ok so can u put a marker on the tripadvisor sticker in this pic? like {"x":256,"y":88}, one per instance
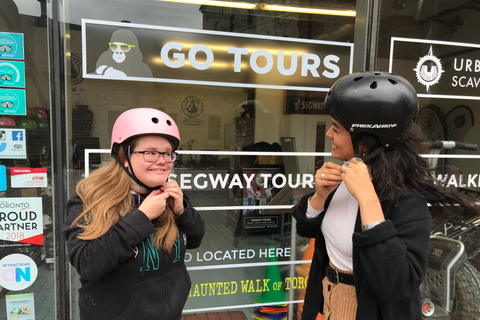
{"x":17,"y":272}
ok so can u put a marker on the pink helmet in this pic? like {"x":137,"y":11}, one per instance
{"x":7,"y":122}
{"x":139,"y":121}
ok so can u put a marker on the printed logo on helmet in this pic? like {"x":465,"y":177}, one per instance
{"x":429,"y":70}
{"x":374,"y":125}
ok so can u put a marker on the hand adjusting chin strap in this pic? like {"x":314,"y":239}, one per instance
{"x":130,"y":172}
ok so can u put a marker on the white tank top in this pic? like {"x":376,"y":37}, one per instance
{"x":338,"y":226}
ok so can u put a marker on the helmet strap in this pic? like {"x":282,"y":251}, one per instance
{"x":138,"y":195}
{"x":374,"y":153}
{"x":130,"y":172}
{"x":356,"y":152}
{"x":370,"y":156}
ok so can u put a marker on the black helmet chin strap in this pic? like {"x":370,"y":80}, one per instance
{"x":356,"y":152}
{"x":130,"y":172}
{"x":374,"y":153}
{"x":370,"y":156}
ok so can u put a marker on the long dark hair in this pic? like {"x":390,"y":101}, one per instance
{"x":403,"y":169}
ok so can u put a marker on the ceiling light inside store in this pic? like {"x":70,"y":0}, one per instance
{"x":225,"y":48}
{"x":227,"y":4}
{"x":216,"y":64}
{"x":268,"y":7}
{"x":330,"y":12}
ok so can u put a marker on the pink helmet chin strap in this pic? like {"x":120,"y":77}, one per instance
{"x":130,"y":172}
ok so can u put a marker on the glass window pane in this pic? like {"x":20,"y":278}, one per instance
{"x":245,"y":87}
{"x":432,"y":45}
{"x":27,"y":217}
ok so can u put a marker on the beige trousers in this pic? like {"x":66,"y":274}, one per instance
{"x":340,"y":300}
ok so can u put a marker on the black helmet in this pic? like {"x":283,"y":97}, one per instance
{"x":380,"y":103}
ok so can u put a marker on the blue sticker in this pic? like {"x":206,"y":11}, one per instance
{"x":12,"y":74}
{"x":11,"y":46}
{"x":17,"y":135}
{"x":13,"y":102}
{"x":3,"y":178}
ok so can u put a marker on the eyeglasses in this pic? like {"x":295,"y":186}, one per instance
{"x":123,"y":47}
{"x":153,"y":156}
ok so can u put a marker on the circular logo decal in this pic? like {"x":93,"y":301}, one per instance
{"x":429,"y":70}
{"x":17,"y":272}
{"x":75,"y":69}
{"x":192,"y":106}
{"x":427,"y":121}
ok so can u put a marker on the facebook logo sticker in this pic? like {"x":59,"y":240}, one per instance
{"x":17,"y":135}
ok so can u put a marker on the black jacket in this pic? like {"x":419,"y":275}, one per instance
{"x":389,"y":260}
{"x":122,"y":273}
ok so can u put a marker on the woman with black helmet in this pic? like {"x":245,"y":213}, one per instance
{"x":369,"y":215}
{"x":128,"y":226}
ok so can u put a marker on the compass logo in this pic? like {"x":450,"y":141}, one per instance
{"x":429,"y":70}
{"x":192,"y":106}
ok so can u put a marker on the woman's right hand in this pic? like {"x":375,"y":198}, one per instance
{"x":154,"y":204}
{"x":327,"y":178}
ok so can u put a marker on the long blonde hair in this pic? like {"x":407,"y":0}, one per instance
{"x":107,"y":198}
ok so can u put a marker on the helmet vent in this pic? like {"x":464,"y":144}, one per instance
{"x":155,"y":120}
{"x":392,"y":81}
{"x":373,"y":85}
{"x":169,"y":122}
{"x":357,"y":78}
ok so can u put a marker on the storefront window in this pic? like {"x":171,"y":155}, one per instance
{"x":245,"y":87}
{"x":433,"y":46}
{"x":245,"y":83}
{"x":27,"y":253}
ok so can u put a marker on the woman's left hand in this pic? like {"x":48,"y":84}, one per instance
{"x":357,"y":179}
{"x":175,"y":199}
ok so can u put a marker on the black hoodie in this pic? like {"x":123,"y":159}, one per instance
{"x":122,"y":273}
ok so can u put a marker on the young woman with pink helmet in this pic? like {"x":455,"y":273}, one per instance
{"x":128,"y":226}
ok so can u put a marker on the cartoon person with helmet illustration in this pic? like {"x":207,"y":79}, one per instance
{"x":369,"y":215}
{"x":128,"y":226}
{"x":123,"y":57}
